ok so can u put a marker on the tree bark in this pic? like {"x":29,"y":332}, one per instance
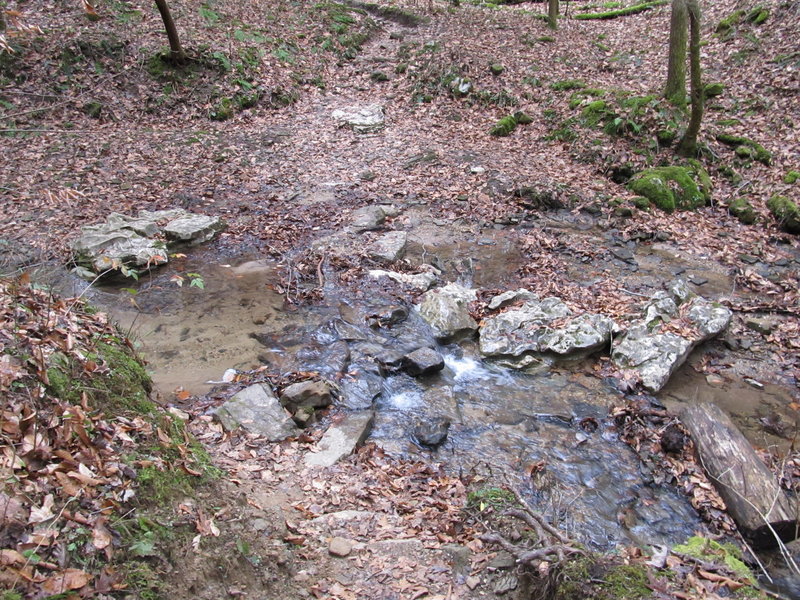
{"x":688,"y":143}
{"x":552,"y":13}
{"x":754,"y":499}
{"x":675,"y":90}
{"x":176,"y":53}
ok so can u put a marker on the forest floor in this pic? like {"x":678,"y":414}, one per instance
{"x":94,"y":121}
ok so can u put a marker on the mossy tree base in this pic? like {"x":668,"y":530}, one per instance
{"x":674,"y":188}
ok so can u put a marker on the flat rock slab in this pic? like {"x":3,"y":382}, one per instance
{"x":341,"y":439}
{"x":310,"y":394}
{"x":368,"y":218}
{"x":390,"y":247}
{"x":361,"y":119}
{"x":193,"y":229}
{"x":257,"y":410}
{"x":417,"y":281}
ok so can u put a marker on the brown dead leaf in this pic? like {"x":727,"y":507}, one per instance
{"x":69,"y":579}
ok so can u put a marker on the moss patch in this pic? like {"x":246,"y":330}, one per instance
{"x":504,"y":126}
{"x":671,"y":188}
{"x":622,"y":12}
{"x":791,"y":177}
{"x":726,"y":24}
{"x":711,"y":551}
{"x":786,"y":213}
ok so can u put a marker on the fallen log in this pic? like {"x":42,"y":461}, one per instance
{"x":761,"y":509}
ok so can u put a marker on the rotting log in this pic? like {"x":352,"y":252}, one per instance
{"x":761,"y":509}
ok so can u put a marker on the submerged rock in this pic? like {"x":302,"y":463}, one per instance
{"x":417,"y":281}
{"x":257,"y":410}
{"x":313,"y":394}
{"x":362,"y":119}
{"x":432,"y":432}
{"x":446,"y":310}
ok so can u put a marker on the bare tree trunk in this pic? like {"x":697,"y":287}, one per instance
{"x":552,"y":13}
{"x":675,"y":90}
{"x":688,"y":144}
{"x":176,"y":53}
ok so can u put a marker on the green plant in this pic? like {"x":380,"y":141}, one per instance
{"x":490,"y":497}
{"x":567,"y":84}
{"x":791,"y":177}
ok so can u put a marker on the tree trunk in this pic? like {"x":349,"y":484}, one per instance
{"x":761,"y":509}
{"x":675,"y":90}
{"x":552,"y":13}
{"x":176,"y":53}
{"x":688,"y":144}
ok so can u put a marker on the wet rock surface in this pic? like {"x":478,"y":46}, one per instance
{"x":256,"y":409}
{"x":446,"y":310}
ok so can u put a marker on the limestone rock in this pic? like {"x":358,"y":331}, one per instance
{"x":511,"y":296}
{"x":417,"y":281}
{"x":193,"y":229}
{"x":390,"y":247}
{"x":340,"y":547}
{"x":313,"y":394}
{"x":364,"y":119}
{"x":445,"y":310}
{"x":256,"y":409}
{"x":583,"y":335}
{"x":368,"y":218}
{"x":423,"y":361}
{"x":341,"y":439}
{"x":519,"y":330}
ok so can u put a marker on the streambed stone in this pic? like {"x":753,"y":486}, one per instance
{"x":311,"y":394}
{"x":390,"y":247}
{"x":417,"y":281}
{"x":432,"y":432}
{"x":367,"y":218}
{"x":257,"y":410}
{"x":423,"y":361}
{"x":446,"y":310}
{"x":193,"y":229}
{"x":519,"y":330}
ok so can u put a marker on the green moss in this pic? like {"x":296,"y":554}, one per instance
{"x":743,"y":210}
{"x":712,"y":551}
{"x":746,"y":148}
{"x":702,"y":178}
{"x":666,"y":136}
{"x":565,"y":132}
{"x":496,"y":69}
{"x":567,"y":84}
{"x":758,"y":15}
{"x":728,"y":122}
{"x":522,"y":118}
{"x":504,"y":126}
{"x":671,"y":188}
{"x":94,"y":109}
{"x":791,"y":177}
{"x":222,"y":110}
{"x":123,"y":389}
{"x":713,"y":89}
{"x":595,"y":112}
{"x":497,"y":498}
{"x":641,"y":203}
{"x":143,"y":580}
{"x":622,"y":12}
{"x":728,"y":22}
{"x":786,"y":212}
{"x":379,"y":76}
{"x":628,"y":582}
{"x":546,"y":39}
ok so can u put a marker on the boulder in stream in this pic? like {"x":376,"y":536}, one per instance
{"x":423,"y":361}
{"x":417,"y":281}
{"x":446,"y":310}
{"x":432,"y":432}
{"x":257,"y":410}
{"x":193,"y":229}
{"x":390,"y":247}
{"x":312,"y":394}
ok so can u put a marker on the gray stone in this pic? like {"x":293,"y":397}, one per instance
{"x":146,"y":227}
{"x":660,"y":309}
{"x":417,"y":281}
{"x":193,"y":229}
{"x":359,"y":391}
{"x":390,"y":247}
{"x":432,"y":432}
{"x":313,"y":394}
{"x":679,"y":291}
{"x":762,"y":326}
{"x":519,"y":330}
{"x":257,"y":410}
{"x":367,"y":218}
{"x":364,"y":119}
{"x":341,"y":439}
{"x":655,"y":355}
{"x":583,"y":335}
{"x":446,"y":310}
{"x":340,"y":547}
{"x":105,"y":248}
{"x":506,"y":298}
{"x":423,"y":361}
{"x":305,"y":416}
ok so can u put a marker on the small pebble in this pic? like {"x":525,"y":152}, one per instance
{"x":754,"y":383}
{"x":340,"y":547}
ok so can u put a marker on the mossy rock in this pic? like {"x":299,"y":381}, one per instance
{"x":223,"y":110}
{"x":743,"y":210}
{"x":522,"y":118}
{"x":567,"y":84}
{"x":673,"y":188}
{"x":791,"y":177}
{"x":379,"y":76}
{"x":713,"y":89}
{"x":666,"y":136}
{"x":786,"y":212}
{"x":622,"y":12}
{"x":726,"y":24}
{"x":642,"y":203}
{"x":746,"y":148}
{"x":504,"y":126}
{"x":714,"y":552}
{"x":496,"y":69}
{"x":595,"y":112}
{"x":94,"y":109}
